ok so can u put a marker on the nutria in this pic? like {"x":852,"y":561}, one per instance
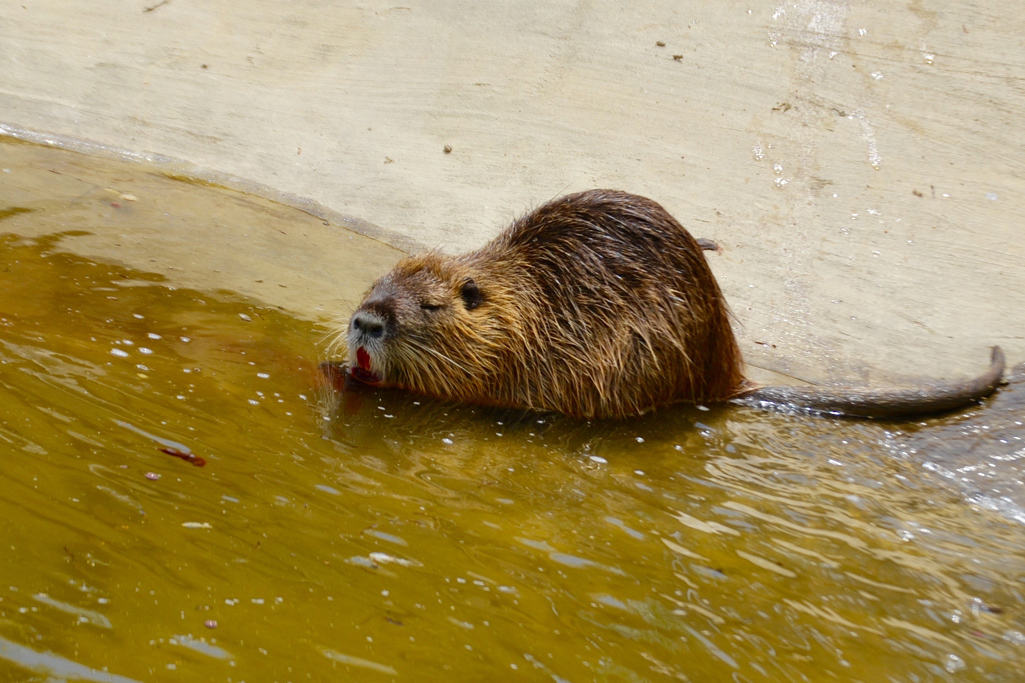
{"x":596,"y":305}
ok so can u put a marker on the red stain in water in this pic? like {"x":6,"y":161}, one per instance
{"x":187,"y":457}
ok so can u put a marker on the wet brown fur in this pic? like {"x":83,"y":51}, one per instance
{"x":597,"y":305}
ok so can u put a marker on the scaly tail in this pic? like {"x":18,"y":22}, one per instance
{"x":928,"y":399}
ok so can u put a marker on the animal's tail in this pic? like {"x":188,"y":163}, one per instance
{"x":929,"y":399}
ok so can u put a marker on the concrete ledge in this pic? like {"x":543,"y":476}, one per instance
{"x":860,"y":164}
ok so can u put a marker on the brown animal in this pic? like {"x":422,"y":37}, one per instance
{"x":596,"y":305}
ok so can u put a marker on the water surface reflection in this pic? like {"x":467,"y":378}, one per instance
{"x":375,"y":535}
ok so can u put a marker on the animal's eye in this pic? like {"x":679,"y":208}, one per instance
{"x":428,"y":306}
{"x":471,"y":295}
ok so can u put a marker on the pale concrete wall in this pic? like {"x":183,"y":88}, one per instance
{"x":859,"y":161}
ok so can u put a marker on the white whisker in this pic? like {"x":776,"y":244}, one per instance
{"x":423,"y":347}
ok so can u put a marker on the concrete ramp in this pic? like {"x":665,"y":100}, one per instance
{"x":859,"y":163}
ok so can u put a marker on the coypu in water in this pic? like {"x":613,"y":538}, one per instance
{"x":596,"y":305}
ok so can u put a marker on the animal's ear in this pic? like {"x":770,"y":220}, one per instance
{"x":472,"y":298}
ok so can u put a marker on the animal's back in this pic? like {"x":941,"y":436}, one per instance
{"x":618,"y":310}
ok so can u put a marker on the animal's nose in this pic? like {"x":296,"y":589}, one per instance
{"x":368,"y":323}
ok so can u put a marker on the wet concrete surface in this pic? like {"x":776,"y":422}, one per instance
{"x":859,"y":164}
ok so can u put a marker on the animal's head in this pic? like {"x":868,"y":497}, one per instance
{"x":426,"y":326}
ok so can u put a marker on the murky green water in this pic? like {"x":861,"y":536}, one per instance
{"x":374,"y":536}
